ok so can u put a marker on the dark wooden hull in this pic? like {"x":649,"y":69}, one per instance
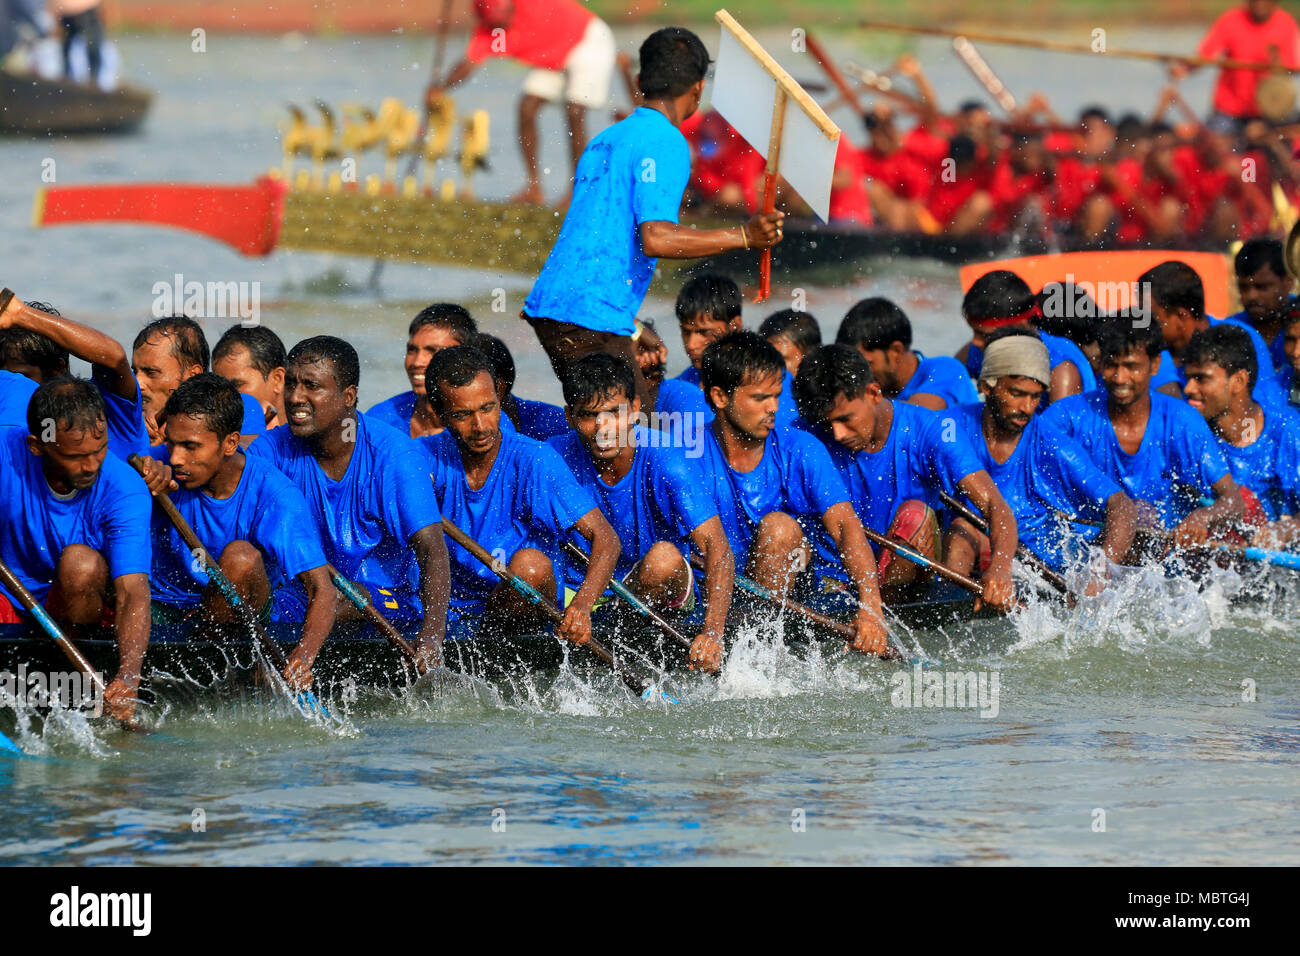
{"x":31,"y":106}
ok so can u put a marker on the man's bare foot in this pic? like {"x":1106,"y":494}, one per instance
{"x":529,"y":195}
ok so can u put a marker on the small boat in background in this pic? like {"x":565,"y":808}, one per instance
{"x":32,"y":106}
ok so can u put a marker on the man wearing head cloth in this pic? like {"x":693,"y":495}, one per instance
{"x":1057,"y":493}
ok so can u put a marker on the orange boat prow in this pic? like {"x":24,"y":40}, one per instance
{"x":1118,"y":270}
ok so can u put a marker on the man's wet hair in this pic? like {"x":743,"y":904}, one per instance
{"x":711,"y":294}
{"x":211,"y":398}
{"x":73,"y":404}
{"x":1257,"y":253}
{"x":831,"y":371}
{"x":449,"y":315}
{"x":455,"y":367}
{"x":962,"y":149}
{"x":1095,"y":112}
{"x":498,"y":353}
{"x":1174,"y":285}
{"x":265,"y":349}
{"x":341,"y":356}
{"x":25,"y":347}
{"x":1120,"y":335}
{"x":1227,"y":346}
{"x":971,"y":106}
{"x":1080,"y":319}
{"x":596,"y":377}
{"x":799,"y":327}
{"x":875,"y":323}
{"x":672,"y":61}
{"x":736,"y":358}
{"x":1000,"y":294}
{"x":189,"y":346}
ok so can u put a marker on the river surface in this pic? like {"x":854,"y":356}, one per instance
{"x":1154,"y":725}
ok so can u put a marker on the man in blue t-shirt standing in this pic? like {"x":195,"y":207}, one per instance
{"x":74,"y":524}
{"x":623,"y":214}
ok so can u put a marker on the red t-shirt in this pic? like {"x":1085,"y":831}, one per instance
{"x":720,"y":155}
{"x":849,"y":203}
{"x":1236,"y":36}
{"x":901,"y":172}
{"x":543,"y":32}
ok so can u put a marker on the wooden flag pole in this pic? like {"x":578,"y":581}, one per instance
{"x":769,"y":187}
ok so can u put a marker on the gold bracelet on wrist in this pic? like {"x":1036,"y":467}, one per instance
{"x":743,"y":237}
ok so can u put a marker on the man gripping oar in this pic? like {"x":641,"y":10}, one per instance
{"x":74,"y":525}
{"x":624,"y":215}
{"x":249,"y":517}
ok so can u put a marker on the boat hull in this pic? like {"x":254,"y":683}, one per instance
{"x":31,"y":106}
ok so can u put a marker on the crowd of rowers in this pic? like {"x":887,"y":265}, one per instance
{"x":1075,"y":437}
{"x":1102,"y":179}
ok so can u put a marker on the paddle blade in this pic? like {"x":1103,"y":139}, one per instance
{"x":246,"y":218}
{"x":9,"y":747}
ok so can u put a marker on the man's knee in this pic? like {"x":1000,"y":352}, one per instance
{"x":533,"y":566}
{"x":81,"y":569}
{"x":241,"y":562}
{"x":778,"y":530}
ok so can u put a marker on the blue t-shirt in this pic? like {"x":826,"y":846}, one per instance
{"x":925,"y":453}
{"x":597,"y":275}
{"x":15,"y":392}
{"x":529,"y":500}
{"x":1047,"y":473}
{"x":254,"y":416}
{"x":540,"y":421}
{"x":942,"y":376}
{"x":795,"y":476}
{"x":266,"y":510}
{"x":111,"y":516}
{"x":661,"y":498}
{"x":1276,"y":349}
{"x":678,"y":399}
{"x":395,"y":411}
{"x":127,"y":434}
{"x":1266,"y":391}
{"x":1270,"y":466}
{"x":367,"y":518}
{"x":1059,"y":349}
{"x":1176,"y":465}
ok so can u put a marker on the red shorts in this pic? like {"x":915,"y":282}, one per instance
{"x":7,"y":613}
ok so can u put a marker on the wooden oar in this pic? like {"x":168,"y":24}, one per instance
{"x":982,"y":72}
{"x":634,"y":683}
{"x":626,"y":594}
{"x":833,"y":73}
{"x":274,"y":653}
{"x":1060,"y":47}
{"x":1022,"y":552}
{"x":803,"y":610}
{"x":440,"y":46}
{"x":25,"y":597}
{"x":916,"y":557}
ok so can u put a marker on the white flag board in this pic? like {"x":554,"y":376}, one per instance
{"x":748,"y":89}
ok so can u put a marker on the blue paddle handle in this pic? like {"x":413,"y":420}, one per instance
{"x":351,"y":592}
{"x":1279,"y":558}
{"x":8,"y":746}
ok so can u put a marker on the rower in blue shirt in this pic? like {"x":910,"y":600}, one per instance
{"x":246,"y":514}
{"x":15,"y":392}
{"x":516,"y":498}
{"x":1265,"y":288}
{"x":1262,"y":446}
{"x":40,"y":342}
{"x":434,"y":328}
{"x":1157,"y":447}
{"x":881,"y":331}
{"x":895,"y":458}
{"x":1000,"y":300}
{"x":708,"y":307}
{"x":539,"y":421}
{"x":1045,"y":476}
{"x":653,"y":494}
{"x":776,"y":487}
{"x":367,"y":490}
{"x":74,"y":524}
{"x":793,"y":333}
{"x":1287,"y":377}
{"x":1176,"y":299}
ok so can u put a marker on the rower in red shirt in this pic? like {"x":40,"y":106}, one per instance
{"x":572,"y":52}
{"x":849,"y":203}
{"x":1254,"y":31}
{"x":725,"y":170}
